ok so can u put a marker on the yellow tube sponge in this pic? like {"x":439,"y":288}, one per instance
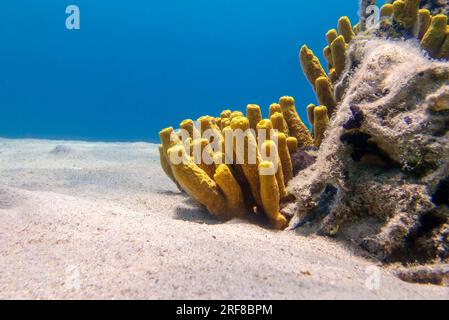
{"x":435,"y":35}
{"x":165,"y":164}
{"x":331,"y":35}
{"x":204,"y":123}
{"x":197,"y":183}
{"x":409,"y":15}
{"x":444,"y":51}
{"x":208,"y":126}
{"x":405,"y":13}
{"x":311,"y":66}
{"x":327,"y":53}
{"x":219,"y":159}
{"x":333,"y":75}
{"x":321,"y":121}
{"x":217,"y":122}
{"x":325,"y":94}
{"x":236,"y":114}
{"x":338,"y":48}
{"x":295,"y":125}
{"x":226,"y":122}
{"x":228,"y":145}
{"x":169,"y":139}
{"x":188,"y":145}
{"x":310,"y":109}
{"x":345,"y":29}
{"x":398,"y":10}
{"x":386,"y":11}
{"x":270,"y":153}
{"x":203,"y":156}
{"x":424,"y":20}
{"x":233,"y":193}
{"x":274,"y":108}
{"x":250,"y":159}
{"x":292,"y":144}
{"x":189,"y":126}
{"x":284,"y":155}
{"x":269,"y":191}
{"x":264,"y":126}
{"x":254,"y":115}
{"x":279,"y":123}
{"x":225,"y":114}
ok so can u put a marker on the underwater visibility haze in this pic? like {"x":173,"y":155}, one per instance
{"x":137,"y":66}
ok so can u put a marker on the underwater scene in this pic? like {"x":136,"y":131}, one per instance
{"x":224,"y":150}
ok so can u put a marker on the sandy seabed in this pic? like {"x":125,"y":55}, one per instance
{"x":82,"y":220}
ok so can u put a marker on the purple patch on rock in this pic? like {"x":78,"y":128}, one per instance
{"x":301,"y":160}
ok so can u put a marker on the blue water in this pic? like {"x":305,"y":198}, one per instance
{"x":139,"y":65}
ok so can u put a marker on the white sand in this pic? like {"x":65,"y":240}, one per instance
{"x":97,"y":220}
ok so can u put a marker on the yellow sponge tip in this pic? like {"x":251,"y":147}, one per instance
{"x":439,"y":21}
{"x":187,"y":122}
{"x":252,"y":108}
{"x":282,"y":137}
{"x":225,"y":114}
{"x":240,"y":123}
{"x":320,"y":111}
{"x":268,"y":167}
{"x":236,"y":114}
{"x":287,"y":102}
{"x":345,"y":28}
{"x":274,"y":108}
{"x":166,"y":131}
{"x":292,"y":144}
{"x":177,"y":151}
{"x":265,"y":124}
{"x":221,"y":169}
{"x":386,"y":10}
{"x":277,"y":116}
{"x":331,"y":35}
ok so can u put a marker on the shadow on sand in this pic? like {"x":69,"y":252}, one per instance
{"x":191,"y":211}
{"x":168,"y":193}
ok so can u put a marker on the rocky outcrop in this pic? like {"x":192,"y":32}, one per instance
{"x":381,"y":178}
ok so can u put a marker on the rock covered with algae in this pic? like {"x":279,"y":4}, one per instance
{"x":381,"y":177}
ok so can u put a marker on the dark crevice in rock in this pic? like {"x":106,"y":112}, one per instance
{"x":324,"y":206}
{"x":440,"y":128}
{"x":441,"y":196}
{"x":418,"y":245}
{"x":356,"y":120}
{"x":366,"y":151}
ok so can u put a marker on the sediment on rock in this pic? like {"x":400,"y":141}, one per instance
{"x":385,"y":156}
